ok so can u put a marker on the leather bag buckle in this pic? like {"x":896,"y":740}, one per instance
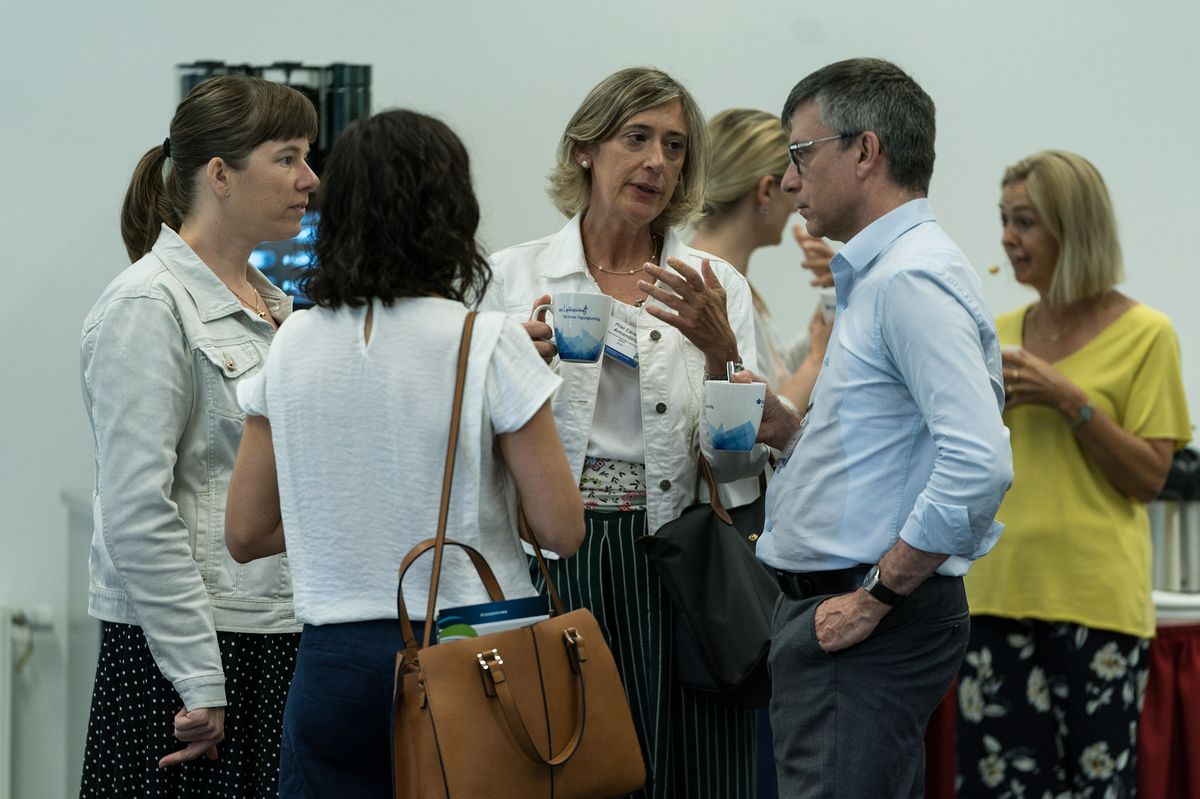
{"x":490,"y":664}
{"x":576,"y":650}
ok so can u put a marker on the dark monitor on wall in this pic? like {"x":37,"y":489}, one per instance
{"x":284,"y":263}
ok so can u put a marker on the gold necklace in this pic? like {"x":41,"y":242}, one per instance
{"x":1053,"y":338}
{"x":256,"y":307}
{"x":1083,"y":308}
{"x":654,"y":241}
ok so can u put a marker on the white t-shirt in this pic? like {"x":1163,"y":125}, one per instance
{"x":360,"y":434}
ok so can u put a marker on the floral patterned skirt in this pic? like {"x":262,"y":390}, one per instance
{"x":1049,"y":709}
{"x":612,"y":485}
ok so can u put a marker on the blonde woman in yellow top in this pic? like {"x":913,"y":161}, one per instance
{"x":1052,"y":686}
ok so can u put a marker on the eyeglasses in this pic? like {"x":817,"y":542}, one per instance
{"x":797,"y":150}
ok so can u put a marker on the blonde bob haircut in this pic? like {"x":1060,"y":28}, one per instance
{"x":1069,"y":195}
{"x":746,"y":145}
{"x":606,"y":108}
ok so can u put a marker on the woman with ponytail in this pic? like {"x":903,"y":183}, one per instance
{"x":197,"y":651}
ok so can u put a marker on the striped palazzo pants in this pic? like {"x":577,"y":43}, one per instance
{"x":692,"y":747}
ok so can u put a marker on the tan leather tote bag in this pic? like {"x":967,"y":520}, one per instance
{"x":532,"y":712}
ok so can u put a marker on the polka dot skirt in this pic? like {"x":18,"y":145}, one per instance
{"x":133,"y":711}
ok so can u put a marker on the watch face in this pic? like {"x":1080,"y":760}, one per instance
{"x":878,"y":590}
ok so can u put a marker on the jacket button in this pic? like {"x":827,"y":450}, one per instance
{"x":665,"y":485}
{"x":661,"y":407}
{"x":655,"y":335}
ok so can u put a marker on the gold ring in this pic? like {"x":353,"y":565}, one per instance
{"x":1016,"y":373}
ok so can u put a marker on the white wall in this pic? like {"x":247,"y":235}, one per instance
{"x":87,"y":87}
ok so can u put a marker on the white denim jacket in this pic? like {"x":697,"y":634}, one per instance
{"x":671,"y":368}
{"x":162,"y":352}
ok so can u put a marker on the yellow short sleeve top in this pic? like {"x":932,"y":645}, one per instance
{"x":1075,"y":548}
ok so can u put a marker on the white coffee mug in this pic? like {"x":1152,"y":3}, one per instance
{"x":828,"y":305}
{"x":733,"y":412}
{"x":580,"y":324}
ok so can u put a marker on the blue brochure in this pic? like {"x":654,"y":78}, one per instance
{"x":471,"y":621}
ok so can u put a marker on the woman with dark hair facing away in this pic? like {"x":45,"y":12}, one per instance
{"x":346,"y":439}
{"x":630,"y":168}
{"x":1050,"y":693}
{"x":189,"y":635}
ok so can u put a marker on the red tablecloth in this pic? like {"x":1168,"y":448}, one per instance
{"x":941,"y":742}
{"x":1169,"y":735}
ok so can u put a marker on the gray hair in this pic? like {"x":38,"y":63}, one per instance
{"x":870,"y":94}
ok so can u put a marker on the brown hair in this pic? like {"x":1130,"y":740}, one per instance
{"x":226,"y":117}
{"x":398,"y":215}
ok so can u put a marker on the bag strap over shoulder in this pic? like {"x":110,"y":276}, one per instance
{"x":460,"y":382}
{"x":439,"y":542}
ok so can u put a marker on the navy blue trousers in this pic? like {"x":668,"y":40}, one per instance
{"x":337,"y":722}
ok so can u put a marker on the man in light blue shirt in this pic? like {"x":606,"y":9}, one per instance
{"x":888,"y":488}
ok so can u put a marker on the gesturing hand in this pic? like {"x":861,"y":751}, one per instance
{"x":699,"y":309}
{"x":817,"y":255}
{"x":201,"y":729}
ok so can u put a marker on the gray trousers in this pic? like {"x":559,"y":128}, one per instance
{"x":852,"y":724}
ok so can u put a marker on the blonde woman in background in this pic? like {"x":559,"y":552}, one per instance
{"x":744,"y":209}
{"x":1061,"y":616}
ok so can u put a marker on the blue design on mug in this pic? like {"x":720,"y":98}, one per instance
{"x":737,"y":439}
{"x":581,"y":347}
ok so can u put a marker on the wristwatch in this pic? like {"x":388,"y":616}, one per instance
{"x":1084,"y":416}
{"x":880,"y":591}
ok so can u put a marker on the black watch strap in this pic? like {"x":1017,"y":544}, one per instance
{"x":877,"y":589}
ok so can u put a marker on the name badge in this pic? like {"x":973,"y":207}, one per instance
{"x":620,"y":343}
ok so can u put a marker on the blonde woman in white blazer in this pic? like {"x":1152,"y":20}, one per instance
{"x":630,"y":168}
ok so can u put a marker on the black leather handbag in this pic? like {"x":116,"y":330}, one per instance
{"x":723,"y":597}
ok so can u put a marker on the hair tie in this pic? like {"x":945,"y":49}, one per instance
{"x":167,"y":147}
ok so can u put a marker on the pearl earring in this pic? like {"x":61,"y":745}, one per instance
{"x":585,"y":164}
{"x":227,"y":192}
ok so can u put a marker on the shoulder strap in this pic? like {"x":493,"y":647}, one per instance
{"x":464,"y":349}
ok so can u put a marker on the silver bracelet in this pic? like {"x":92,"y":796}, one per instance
{"x":734,"y":366}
